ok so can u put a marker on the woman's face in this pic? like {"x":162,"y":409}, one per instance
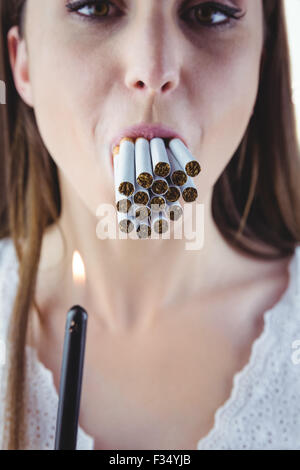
{"x":85,"y":77}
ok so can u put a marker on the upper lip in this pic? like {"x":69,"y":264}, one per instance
{"x":148,"y":131}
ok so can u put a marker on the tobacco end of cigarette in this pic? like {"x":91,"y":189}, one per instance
{"x":141,"y":198}
{"x":173,"y":194}
{"x":124,"y":205}
{"x":144,"y":231}
{"x":158,"y":202}
{"x":127,"y":139}
{"x":145,"y":180}
{"x":161,"y":226}
{"x":126,"y":226}
{"x":179,"y":178}
{"x":142,"y":212}
{"x":174,"y":213}
{"x":190,"y":194}
{"x":162,"y":169}
{"x":160,"y":187}
{"x":126,"y":188}
{"x":193,"y":168}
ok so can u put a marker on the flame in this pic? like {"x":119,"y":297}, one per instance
{"x":78,"y":268}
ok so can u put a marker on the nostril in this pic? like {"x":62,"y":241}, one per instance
{"x":166,"y":86}
{"x":140,"y":84}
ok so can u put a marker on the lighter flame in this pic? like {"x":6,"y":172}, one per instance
{"x":78,"y":268}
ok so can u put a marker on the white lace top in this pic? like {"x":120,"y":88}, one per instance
{"x":262,"y":412}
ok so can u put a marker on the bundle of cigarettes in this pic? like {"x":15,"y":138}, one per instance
{"x":150,"y":177}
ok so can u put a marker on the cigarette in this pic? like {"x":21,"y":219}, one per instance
{"x":123,"y":203}
{"x":143,"y":163}
{"x":189,"y":191}
{"x":173,"y":193}
{"x":174,"y":211}
{"x":143,"y":228}
{"x":125,"y":168}
{"x":125,"y":222}
{"x":160,"y":222}
{"x":184,"y":157}
{"x":141,"y":212}
{"x":160,"y":160}
{"x":157,"y":203}
{"x":178,"y":175}
{"x":160,"y":186}
{"x":141,"y":195}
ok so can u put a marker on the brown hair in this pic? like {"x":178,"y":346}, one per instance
{"x":256,"y":201}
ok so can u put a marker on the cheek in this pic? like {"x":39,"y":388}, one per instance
{"x":60,"y":99}
{"x":226,"y":106}
{"x":65,"y":84}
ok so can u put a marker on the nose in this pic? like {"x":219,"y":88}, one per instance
{"x":152,"y":64}
{"x":149,"y":85}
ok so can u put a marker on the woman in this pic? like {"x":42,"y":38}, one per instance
{"x":169,"y":328}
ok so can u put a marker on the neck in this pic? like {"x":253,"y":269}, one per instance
{"x":128,"y":282}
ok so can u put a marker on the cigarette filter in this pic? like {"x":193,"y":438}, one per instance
{"x":184,"y":157}
{"x":160,"y":222}
{"x":141,"y":195}
{"x":157,"y":203}
{"x":126,"y":222}
{"x":177,"y":174}
{"x":174,"y":210}
{"x":189,"y":191}
{"x":160,"y":186}
{"x":160,"y":160}
{"x":123,"y":203}
{"x":143,"y":163}
{"x":125,"y":169}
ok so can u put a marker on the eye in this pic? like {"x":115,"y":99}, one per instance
{"x":201,"y":14}
{"x":204,"y":13}
{"x":92,"y":9}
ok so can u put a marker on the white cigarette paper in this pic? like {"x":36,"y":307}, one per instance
{"x":143,"y":163}
{"x":185,"y":157}
{"x":125,"y":169}
{"x":189,"y":191}
{"x":177,"y":171}
{"x":160,"y":160}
